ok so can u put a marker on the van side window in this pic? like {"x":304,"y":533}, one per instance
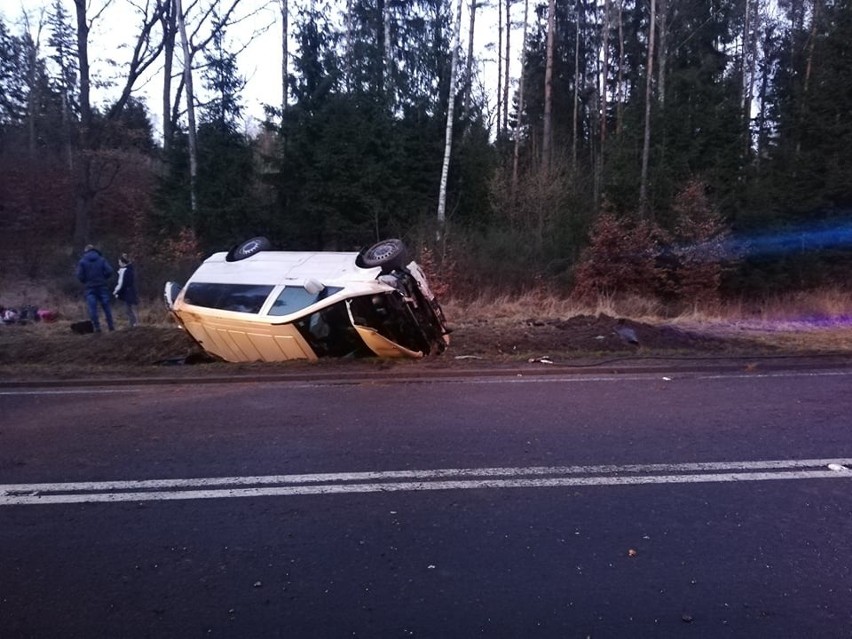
{"x":295,"y":298}
{"x":243,"y":298}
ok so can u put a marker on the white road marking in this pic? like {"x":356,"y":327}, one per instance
{"x":419,"y":480}
{"x":71,"y":391}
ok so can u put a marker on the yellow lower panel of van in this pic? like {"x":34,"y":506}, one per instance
{"x":236,"y":341}
{"x":382,"y":346}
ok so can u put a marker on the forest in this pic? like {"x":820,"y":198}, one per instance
{"x":686,"y":150}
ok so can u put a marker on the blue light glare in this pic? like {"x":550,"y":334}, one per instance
{"x":799,"y":240}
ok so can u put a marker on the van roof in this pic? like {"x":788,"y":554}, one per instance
{"x":282,"y":267}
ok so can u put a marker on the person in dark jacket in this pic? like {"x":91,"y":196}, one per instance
{"x":125,"y":288}
{"x":94,"y":272}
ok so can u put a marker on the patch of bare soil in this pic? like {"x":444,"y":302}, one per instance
{"x":586,"y":335}
{"x":54,"y":351}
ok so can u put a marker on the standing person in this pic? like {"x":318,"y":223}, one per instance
{"x":94,"y":272}
{"x":125,"y":288}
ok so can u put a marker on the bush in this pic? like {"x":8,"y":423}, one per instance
{"x":620,"y":259}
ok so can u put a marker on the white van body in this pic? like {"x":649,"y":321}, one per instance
{"x":284,"y":305}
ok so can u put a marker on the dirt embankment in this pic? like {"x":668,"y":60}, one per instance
{"x":34,"y":351}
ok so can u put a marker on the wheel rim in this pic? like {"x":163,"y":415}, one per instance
{"x":249,"y":246}
{"x":383,"y":251}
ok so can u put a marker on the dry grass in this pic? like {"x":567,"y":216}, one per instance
{"x":544,"y":305}
{"x":802,"y":306}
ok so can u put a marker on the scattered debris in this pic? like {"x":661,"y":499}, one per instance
{"x":542,"y":360}
{"x":626,"y":333}
{"x":686,"y":618}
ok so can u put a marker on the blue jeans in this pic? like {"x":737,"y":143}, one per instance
{"x":99,"y":294}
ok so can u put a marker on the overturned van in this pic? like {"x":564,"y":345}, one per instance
{"x":256,"y":304}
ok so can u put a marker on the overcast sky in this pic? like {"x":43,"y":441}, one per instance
{"x":259,"y":63}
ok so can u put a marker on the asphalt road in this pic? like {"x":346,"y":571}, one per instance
{"x":647,"y":505}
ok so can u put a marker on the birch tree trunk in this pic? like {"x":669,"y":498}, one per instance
{"x":190,"y":113}
{"x":547,"y":134}
{"x":285,"y":56}
{"x":750,"y":31}
{"x":646,"y":144}
{"x":506,"y":70}
{"x":384,"y":42}
{"x":521,"y":104}
{"x":448,"y":139}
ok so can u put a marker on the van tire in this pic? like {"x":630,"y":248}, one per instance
{"x":388,"y":254}
{"x":248,"y":248}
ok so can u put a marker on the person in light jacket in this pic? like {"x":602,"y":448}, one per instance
{"x":95,"y":272}
{"x":125,"y":288}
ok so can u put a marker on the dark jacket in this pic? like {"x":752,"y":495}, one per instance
{"x":125,"y":288}
{"x":93,"y":270}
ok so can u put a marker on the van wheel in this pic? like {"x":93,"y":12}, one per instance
{"x":248,"y":248}
{"x":389,"y":254}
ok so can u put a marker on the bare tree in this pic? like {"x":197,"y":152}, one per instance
{"x":448,"y":138}
{"x":169,"y":26}
{"x":816,"y":16}
{"x":547,"y":135}
{"x":619,"y":92}
{"x":33,"y":85}
{"x":469,"y":61}
{"x":605,"y":71}
{"x":94,"y":175}
{"x":662,"y":55}
{"x":577,"y":79}
{"x":500,"y":105}
{"x":191,"y":43}
{"x":190,"y":110}
{"x":646,"y":144}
